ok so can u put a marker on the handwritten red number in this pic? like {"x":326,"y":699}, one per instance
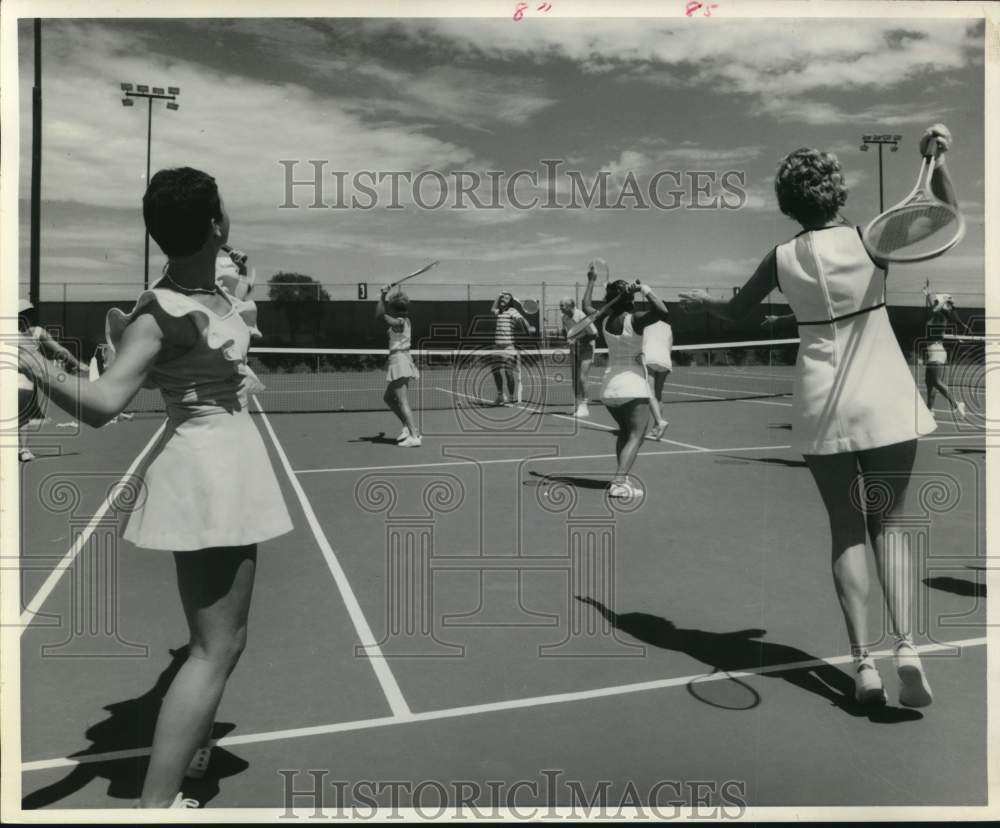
{"x":694,"y":6}
{"x":519,"y":12}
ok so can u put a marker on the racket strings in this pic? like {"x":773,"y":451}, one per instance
{"x":913,"y":229}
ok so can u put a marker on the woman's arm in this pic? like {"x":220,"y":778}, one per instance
{"x":936,"y":141}
{"x":495,"y":309}
{"x":97,"y":402}
{"x":776,"y":319}
{"x":755,"y":291}
{"x":393,"y":322}
{"x":658,"y":312}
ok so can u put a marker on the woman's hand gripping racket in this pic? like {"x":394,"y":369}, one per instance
{"x":921,"y":226}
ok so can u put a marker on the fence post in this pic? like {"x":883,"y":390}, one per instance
{"x":468,"y":310}
{"x":542,"y":317}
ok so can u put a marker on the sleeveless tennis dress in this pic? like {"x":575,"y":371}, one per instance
{"x":625,"y":375}
{"x":401,"y":362}
{"x":208,"y":481}
{"x":853,"y":388}
{"x":657,"y":340}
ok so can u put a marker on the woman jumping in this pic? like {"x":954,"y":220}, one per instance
{"x":857,"y":410}
{"x":626,"y":391}
{"x":394,"y":311}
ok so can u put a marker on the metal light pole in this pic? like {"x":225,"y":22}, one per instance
{"x":34,"y":292}
{"x":880,"y":140}
{"x":157,"y":93}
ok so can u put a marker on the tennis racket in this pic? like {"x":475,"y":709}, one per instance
{"x":527,"y":305}
{"x":423,"y":269}
{"x":919,"y":227}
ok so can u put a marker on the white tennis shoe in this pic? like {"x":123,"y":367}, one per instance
{"x":914,"y":691}
{"x":411,"y":442}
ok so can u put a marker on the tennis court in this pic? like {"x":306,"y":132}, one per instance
{"x":477,"y":609}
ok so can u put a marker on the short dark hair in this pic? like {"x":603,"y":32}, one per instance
{"x":179,"y":206}
{"x":616,"y":289}
{"x":810,"y":185}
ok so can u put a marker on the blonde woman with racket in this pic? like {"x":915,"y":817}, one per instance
{"x":858,"y":413}
{"x":626,"y":390}
{"x":394,"y":310}
{"x":941,"y":315}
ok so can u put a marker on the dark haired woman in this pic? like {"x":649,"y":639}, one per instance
{"x":626,"y":388}
{"x":209,"y":491}
{"x":858,"y":413}
{"x":394,"y":311}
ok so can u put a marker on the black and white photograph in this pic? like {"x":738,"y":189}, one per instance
{"x":498,"y":410}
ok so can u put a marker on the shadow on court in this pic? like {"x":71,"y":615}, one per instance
{"x":130,"y":726}
{"x":568,"y":479}
{"x":776,"y":461}
{"x":378,"y":439}
{"x":957,"y":586}
{"x":740,"y":650}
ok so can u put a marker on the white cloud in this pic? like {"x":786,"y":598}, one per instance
{"x":742,"y":268}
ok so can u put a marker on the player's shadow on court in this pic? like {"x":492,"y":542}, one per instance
{"x":957,"y":586}
{"x":130,"y":726}
{"x":568,"y":479}
{"x":378,"y":439}
{"x":741,"y":650}
{"x":775,"y":461}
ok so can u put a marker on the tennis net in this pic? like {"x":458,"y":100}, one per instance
{"x":338,"y":379}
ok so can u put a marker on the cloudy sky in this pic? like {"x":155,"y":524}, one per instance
{"x":621,"y":96}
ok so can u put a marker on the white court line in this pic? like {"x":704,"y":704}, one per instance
{"x":551,"y":458}
{"x":50,"y":583}
{"x":583,"y":421}
{"x":737,"y":375}
{"x":724,"y":399}
{"x":400,"y":709}
{"x":669,"y":386}
{"x":492,"y":707}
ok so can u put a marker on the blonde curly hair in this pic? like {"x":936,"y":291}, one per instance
{"x":810,"y":185}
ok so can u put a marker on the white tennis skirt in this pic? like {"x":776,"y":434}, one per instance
{"x":401,"y":366}
{"x":936,"y":354}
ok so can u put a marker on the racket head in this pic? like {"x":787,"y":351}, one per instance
{"x":601,"y":269}
{"x":529,"y":306}
{"x":914,"y":231}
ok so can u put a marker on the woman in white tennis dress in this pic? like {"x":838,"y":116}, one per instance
{"x":208,"y":490}
{"x":941,"y":318}
{"x":857,"y":412}
{"x":625,"y":392}
{"x":394,"y":311}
